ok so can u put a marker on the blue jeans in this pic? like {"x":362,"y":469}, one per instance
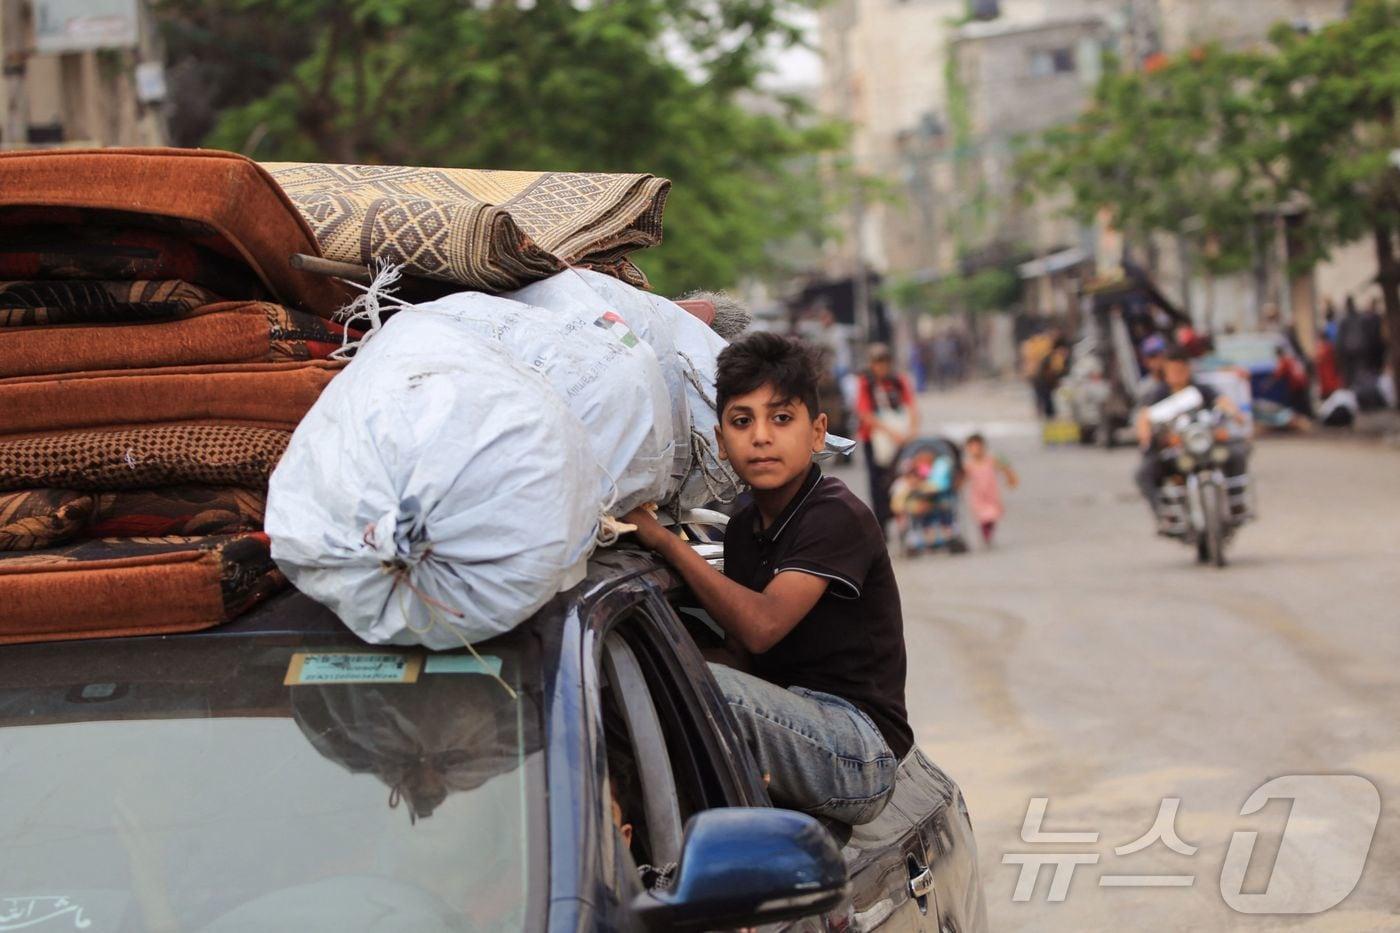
{"x":820,"y":753}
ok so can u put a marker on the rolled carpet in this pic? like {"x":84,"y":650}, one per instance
{"x":133,"y":586}
{"x":482,"y":229}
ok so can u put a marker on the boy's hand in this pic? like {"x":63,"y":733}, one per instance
{"x":650,"y":532}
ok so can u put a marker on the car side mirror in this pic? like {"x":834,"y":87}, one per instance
{"x":747,"y":866}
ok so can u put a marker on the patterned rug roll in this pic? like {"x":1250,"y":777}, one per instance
{"x":488,"y":230}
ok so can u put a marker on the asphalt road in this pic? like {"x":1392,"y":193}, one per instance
{"x":1086,"y":661}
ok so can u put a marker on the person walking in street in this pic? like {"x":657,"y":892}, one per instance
{"x":1350,"y":344}
{"x":983,"y":472}
{"x":889,"y":419}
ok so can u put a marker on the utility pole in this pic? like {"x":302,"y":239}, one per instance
{"x":860,"y":285}
{"x":14,"y":34}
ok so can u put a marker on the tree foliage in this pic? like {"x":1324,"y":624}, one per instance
{"x":996,"y":288}
{"x":655,"y":86}
{"x":1176,"y":149}
{"x":1214,"y":138}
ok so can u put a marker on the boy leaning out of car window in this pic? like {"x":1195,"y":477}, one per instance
{"x":807,"y":590}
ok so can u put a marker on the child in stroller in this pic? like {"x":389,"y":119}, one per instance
{"x":924,"y":497}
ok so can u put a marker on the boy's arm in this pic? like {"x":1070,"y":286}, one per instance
{"x":757,"y":620}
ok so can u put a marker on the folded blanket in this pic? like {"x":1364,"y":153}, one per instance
{"x":44,"y":518}
{"x":40,"y":518}
{"x":144,"y":457}
{"x":261,"y":393}
{"x":75,"y":301}
{"x":228,"y":332}
{"x":487,"y":230}
{"x":133,"y":586}
{"x":94,"y":248}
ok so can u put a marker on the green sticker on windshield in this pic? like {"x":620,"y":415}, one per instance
{"x":462,"y":664}
{"x":352,"y":667}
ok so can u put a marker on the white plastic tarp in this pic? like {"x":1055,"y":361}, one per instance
{"x":608,"y":378}
{"x":687,"y":351}
{"x":439,"y":491}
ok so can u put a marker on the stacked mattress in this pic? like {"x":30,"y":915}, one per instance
{"x":157,"y":349}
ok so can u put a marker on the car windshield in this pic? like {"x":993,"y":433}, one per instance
{"x":238,"y":783}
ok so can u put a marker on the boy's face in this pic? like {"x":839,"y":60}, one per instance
{"x":768,"y":441}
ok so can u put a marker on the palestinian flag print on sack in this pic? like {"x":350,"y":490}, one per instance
{"x":613,"y":323}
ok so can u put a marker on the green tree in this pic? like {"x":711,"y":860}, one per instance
{"x":1216,"y":138}
{"x":1172,"y":150}
{"x":1333,"y":96}
{"x":622,"y":85}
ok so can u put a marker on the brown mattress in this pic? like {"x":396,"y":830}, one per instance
{"x":227,"y":332}
{"x":133,"y":586}
{"x":267,"y":394}
{"x":226,"y":193}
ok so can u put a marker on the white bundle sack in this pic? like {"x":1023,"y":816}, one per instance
{"x":438,"y":492}
{"x":609,"y":379}
{"x":687,"y":351}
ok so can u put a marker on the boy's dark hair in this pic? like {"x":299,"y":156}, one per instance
{"x":1177,"y":355}
{"x":975,"y":438}
{"x":785,"y":363}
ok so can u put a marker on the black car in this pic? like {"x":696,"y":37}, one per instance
{"x":278,"y":774}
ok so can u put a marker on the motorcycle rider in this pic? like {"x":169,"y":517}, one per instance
{"x":1176,"y":377}
{"x":1154,"y":353}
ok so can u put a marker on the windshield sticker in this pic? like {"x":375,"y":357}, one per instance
{"x":18,"y":913}
{"x":357,"y":667}
{"x":462,"y":664}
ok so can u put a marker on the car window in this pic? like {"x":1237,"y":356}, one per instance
{"x":642,"y":800}
{"x":698,"y":755}
{"x":272,"y":783}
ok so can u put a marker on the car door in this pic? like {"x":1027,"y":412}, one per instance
{"x":696,"y":718}
{"x":888,"y":855}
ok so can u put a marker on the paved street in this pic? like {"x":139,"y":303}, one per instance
{"x":1087,"y":661}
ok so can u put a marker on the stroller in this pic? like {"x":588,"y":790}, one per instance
{"x":926,"y":495}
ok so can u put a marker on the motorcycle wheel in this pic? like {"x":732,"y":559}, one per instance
{"x":1213,"y":508}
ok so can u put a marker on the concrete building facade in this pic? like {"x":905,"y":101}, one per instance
{"x":938,"y":103}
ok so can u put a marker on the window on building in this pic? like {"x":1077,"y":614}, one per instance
{"x":1056,"y":61}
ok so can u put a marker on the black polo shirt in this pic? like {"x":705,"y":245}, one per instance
{"x":852,"y":642}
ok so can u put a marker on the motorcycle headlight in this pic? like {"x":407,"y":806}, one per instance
{"x":1220,"y":455}
{"x":1186,"y":463}
{"x":1198,"y":439}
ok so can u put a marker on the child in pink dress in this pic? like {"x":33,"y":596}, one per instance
{"x":980,"y":469}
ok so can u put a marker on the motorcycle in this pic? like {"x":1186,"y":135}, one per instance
{"x":1198,"y":503}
